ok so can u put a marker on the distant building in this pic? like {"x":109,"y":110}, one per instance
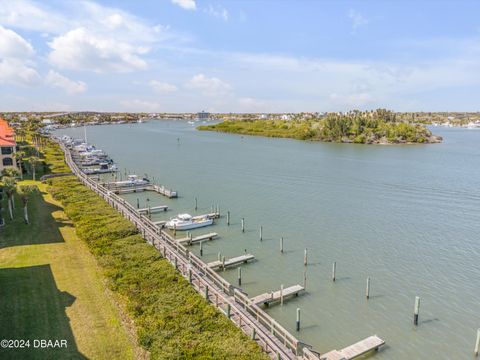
{"x":203,"y":115}
{"x":7,"y":146}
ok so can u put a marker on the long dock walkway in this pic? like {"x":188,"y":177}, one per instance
{"x":275,"y":296}
{"x":272,"y":337}
{"x":353,"y":351}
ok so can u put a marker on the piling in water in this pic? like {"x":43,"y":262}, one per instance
{"x":305,"y":258}
{"x":261,"y":233}
{"x":416,"y":310}
{"x":367,"y":293}
{"x":243,"y":224}
{"x":298,"y":319}
{"x":281,"y":244}
{"x":228,"y":218}
{"x":239,"y":276}
{"x":334,"y":270}
{"x":477,"y":343}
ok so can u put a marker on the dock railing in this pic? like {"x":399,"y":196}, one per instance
{"x":237,"y":306}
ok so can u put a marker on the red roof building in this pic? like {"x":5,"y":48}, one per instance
{"x":7,"y":146}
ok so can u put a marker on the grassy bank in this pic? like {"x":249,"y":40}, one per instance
{"x":379,"y":127}
{"x":52,"y":288}
{"x":172,"y":320}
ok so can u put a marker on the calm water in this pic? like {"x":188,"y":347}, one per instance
{"x":407,"y":216}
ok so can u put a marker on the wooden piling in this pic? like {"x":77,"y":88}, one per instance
{"x":138,"y":203}
{"x":416,"y":310}
{"x":477,"y":343}
{"x":240,"y":276}
{"x":190,"y":275}
{"x":206,"y":292}
{"x":261,"y":233}
{"x":228,"y":218}
{"x":334,"y":270}
{"x":223,"y":263}
{"x":201,"y":248}
{"x":305,"y":262}
{"x":281,"y":244}
{"x":243,"y":225}
{"x":298,"y":319}
{"x":196,"y":204}
{"x":229,"y":309}
{"x":281,"y":295}
{"x":305,"y":279}
{"x":368,"y":288}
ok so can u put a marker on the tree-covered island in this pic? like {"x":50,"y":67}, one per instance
{"x":368,"y":127}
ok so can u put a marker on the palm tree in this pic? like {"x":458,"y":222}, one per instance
{"x":9,"y":185}
{"x":33,"y":161}
{"x":19,"y":155}
{"x":25,"y":191}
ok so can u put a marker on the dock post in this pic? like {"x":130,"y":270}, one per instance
{"x":201,"y":248}
{"x":175,"y":261}
{"x":196,"y":203}
{"x":228,"y":218}
{"x":305,"y":262}
{"x":206,"y":292}
{"x":138,"y":203}
{"x":477,"y":344}
{"x":239,"y":276}
{"x":243,"y":225}
{"x":228,"y":310}
{"x":305,"y":279}
{"x":261,"y":233}
{"x":298,"y":319}
{"x":368,"y":288}
{"x":334,"y":270}
{"x":254,"y":334}
{"x":190,"y":275}
{"x":416,"y":310}
{"x":223,"y":263}
{"x":281,"y":244}
{"x":174,"y":229}
{"x":281,"y":294}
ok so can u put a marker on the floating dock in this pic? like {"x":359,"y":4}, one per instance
{"x":353,"y":351}
{"x":140,"y":188}
{"x":153,"y":209}
{"x":274,"y":296}
{"x":216,"y":265}
{"x":191,"y":240}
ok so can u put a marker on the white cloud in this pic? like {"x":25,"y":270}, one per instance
{"x":217,"y":11}
{"x":80,"y":49}
{"x":162,"y":87}
{"x":358,"y":20}
{"x":137,"y":105}
{"x":208,"y":86}
{"x":15,"y":64}
{"x":55,"y":79}
{"x":186,"y":4}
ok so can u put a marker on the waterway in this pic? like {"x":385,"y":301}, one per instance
{"x":408,"y":217}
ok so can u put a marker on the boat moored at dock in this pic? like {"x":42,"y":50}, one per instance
{"x":188,"y":222}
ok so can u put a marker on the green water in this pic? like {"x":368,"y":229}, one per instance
{"x":407,"y":216}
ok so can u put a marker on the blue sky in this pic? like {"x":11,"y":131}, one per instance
{"x":239,"y":55}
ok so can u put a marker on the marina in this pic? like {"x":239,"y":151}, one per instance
{"x":327,"y":197}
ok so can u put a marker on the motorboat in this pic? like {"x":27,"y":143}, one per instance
{"x":188,"y":222}
{"x":132,"y":181}
{"x":103,"y":169}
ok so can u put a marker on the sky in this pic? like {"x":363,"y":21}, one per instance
{"x":239,"y":55}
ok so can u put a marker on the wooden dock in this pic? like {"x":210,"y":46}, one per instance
{"x":160,"y":223}
{"x":353,"y":351}
{"x":217,"y":265}
{"x":162,"y":190}
{"x":275,"y":296}
{"x":192,"y":240}
{"x":153,"y":209}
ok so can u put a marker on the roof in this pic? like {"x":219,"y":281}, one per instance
{"x":7,"y":135}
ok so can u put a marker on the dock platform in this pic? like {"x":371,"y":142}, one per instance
{"x":216,"y":265}
{"x":192,"y":240}
{"x":162,"y":190}
{"x":153,"y":209}
{"x":353,"y":351}
{"x":160,"y":223}
{"x":274,"y":296}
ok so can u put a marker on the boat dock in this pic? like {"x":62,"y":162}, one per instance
{"x":216,"y":265}
{"x":191,"y":240}
{"x":160,"y":223}
{"x":355,"y":350}
{"x":213,"y":215}
{"x":274,"y":296}
{"x":140,"y":188}
{"x":153,"y":209}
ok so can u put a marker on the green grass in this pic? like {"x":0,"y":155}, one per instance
{"x":52,"y":288}
{"x":172,"y":320}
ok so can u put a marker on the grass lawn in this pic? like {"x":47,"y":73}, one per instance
{"x":52,"y":288}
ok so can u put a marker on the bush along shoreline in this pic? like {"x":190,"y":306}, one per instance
{"x":172,"y":321}
{"x":369,"y":127}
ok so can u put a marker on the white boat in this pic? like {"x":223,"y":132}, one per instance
{"x":103,"y":169}
{"x":188,"y":222}
{"x":132,"y":180}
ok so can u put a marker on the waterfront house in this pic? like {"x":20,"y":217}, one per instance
{"x":7,"y":146}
